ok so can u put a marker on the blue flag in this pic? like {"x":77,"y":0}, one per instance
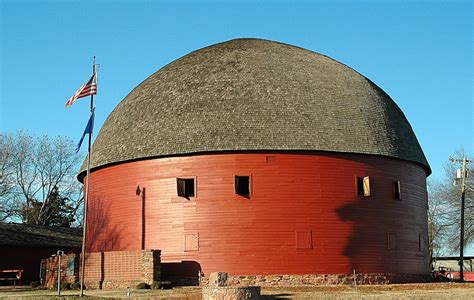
{"x":89,"y":129}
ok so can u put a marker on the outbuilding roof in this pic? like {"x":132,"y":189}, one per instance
{"x":252,"y":94}
{"x":39,"y":236}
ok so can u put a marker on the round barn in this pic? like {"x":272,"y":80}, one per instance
{"x":255,"y":157}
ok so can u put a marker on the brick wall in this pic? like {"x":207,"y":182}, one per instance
{"x":118,"y":269}
{"x":27,"y":259}
{"x":115,"y":269}
{"x":69,"y":269}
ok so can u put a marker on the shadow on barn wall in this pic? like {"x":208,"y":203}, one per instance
{"x":102,"y":234}
{"x":394,"y":228}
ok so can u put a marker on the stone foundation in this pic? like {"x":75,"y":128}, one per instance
{"x":319,"y":279}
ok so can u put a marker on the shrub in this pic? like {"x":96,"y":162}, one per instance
{"x":166,"y":285}
{"x":65,"y":286}
{"x":77,"y":286}
{"x":156,"y":285}
{"x":162,"y":285}
{"x":142,"y":286}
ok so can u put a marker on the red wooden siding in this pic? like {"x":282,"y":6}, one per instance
{"x":303,"y":215}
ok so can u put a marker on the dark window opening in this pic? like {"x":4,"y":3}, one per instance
{"x":185,"y":187}
{"x":363,"y":186}
{"x":397,"y":189}
{"x":360,"y":186}
{"x":242,"y":185}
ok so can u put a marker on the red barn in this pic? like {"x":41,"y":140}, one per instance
{"x":256,"y":157}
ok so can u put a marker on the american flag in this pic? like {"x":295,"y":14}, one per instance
{"x":87,"y":89}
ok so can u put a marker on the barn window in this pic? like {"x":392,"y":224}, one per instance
{"x":242,"y":185}
{"x":391,"y":241}
{"x":70,"y":266}
{"x":363,"y":186}
{"x":397,"y":189}
{"x":186,"y":187}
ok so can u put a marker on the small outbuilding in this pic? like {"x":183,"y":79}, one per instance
{"x":23,"y":246}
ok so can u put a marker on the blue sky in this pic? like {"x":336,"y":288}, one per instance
{"x":419,"y":52}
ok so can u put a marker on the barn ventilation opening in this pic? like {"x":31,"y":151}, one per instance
{"x":363,"y":186}
{"x":397,"y":190}
{"x":185,"y":187}
{"x":242,"y":185}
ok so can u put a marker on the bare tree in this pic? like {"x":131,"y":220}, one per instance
{"x":38,"y":183}
{"x":438,"y":220}
{"x":444,"y":212}
{"x":6,"y":178}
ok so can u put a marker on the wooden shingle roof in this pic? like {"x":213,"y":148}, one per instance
{"x":39,"y":236}
{"x":251,"y":94}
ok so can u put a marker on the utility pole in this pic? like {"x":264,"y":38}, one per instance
{"x":464,"y":162}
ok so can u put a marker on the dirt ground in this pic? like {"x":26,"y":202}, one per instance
{"x":393,"y":291}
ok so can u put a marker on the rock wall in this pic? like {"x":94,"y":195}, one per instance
{"x":315,"y":279}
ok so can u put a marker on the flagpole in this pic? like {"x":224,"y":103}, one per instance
{"x":86,"y":196}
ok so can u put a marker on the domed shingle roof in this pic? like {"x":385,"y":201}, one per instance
{"x":251,"y":94}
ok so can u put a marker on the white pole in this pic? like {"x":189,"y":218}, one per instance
{"x":355,"y":280}
{"x":59,"y":254}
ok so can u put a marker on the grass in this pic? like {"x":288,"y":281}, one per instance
{"x":388,"y":291}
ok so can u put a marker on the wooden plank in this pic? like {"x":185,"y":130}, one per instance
{"x":256,"y":235}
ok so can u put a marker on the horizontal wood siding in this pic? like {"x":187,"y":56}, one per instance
{"x":290,"y":193}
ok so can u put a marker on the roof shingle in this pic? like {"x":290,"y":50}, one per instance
{"x":250,"y":94}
